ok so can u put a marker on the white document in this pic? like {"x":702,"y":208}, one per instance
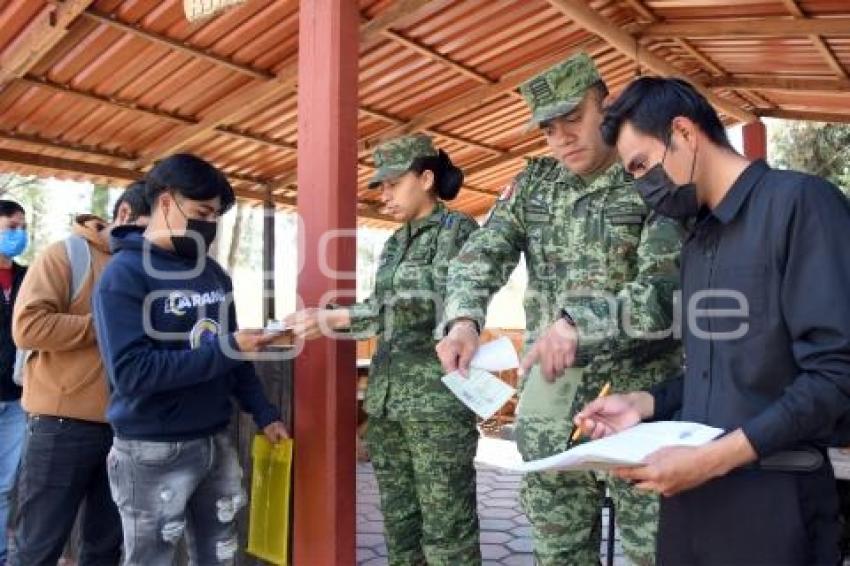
{"x":625,"y":449}
{"x":481,"y":391}
{"x":276,"y":326}
{"x":497,"y":355}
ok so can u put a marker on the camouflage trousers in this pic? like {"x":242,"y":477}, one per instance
{"x":564,"y":508}
{"x":426,"y":478}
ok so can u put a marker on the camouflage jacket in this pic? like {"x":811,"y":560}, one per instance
{"x":405,"y":312}
{"x":590,"y":248}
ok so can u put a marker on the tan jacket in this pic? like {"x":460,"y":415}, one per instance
{"x":64,"y":375}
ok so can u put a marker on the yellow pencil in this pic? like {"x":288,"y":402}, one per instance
{"x":602,"y":393}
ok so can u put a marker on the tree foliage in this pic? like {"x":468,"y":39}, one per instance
{"x":819,"y":148}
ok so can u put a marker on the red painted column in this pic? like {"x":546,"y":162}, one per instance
{"x":755,"y":140}
{"x":325,"y":385}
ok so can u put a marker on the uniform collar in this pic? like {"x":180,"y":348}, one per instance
{"x":614,"y":175}
{"x":733,"y":201}
{"x":435,"y":217}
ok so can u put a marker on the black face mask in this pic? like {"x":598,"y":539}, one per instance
{"x":665,"y":197}
{"x":188,"y":246}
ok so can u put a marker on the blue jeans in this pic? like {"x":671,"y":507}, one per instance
{"x":166,"y":489}
{"x":13,"y":425}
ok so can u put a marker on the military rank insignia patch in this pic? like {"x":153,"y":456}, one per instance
{"x":508,"y":191}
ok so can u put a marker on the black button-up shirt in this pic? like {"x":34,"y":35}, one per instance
{"x":773,"y":261}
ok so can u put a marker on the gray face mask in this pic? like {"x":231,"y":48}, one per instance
{"x":665,"y":197}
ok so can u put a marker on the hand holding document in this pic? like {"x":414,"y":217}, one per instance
{"x":498,"y":355}
{"x":625,"y":449}
{"x":282,"y":334}
{"x":482,"y":391}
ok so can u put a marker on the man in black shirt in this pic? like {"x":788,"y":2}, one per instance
{"x":765,"y":280}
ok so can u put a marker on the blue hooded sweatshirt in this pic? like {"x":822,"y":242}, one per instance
{"x":164,"y":326}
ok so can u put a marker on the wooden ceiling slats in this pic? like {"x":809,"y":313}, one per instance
{"x":125,"y":81}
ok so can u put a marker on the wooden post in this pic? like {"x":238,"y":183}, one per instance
{"x":268,"y":256}
{"x":325,"y":387}
{"x":755,"y":140}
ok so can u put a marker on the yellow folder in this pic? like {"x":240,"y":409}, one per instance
{"x":268,"y":529}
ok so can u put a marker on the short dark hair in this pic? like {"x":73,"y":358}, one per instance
{"x":10,"y":208}
{"x":191,"y":177}
{"x":601,"y":90}
{"x":448,"y":178}
{"x":134,"y":197}
{"x":651,"y":103}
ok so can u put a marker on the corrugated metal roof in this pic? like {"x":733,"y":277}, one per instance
{"x":132,"y":79}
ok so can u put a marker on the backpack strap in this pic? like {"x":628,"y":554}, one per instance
{"x":79,"y":256}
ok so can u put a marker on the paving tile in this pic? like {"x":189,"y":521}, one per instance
{"x":371,"y":527}
{"x":505,"y":532}
{"x":493,"y":551}
{"x":495,"y":537}
{"x":512,"y":502}
{"x":521,"y":531}
{"x":496,"y":524}
{"x":521,"y":545}
{"x":503,"y":494}
{"x":369,"y":540}
{"x":519,"y":560}
{"x":498,"y":513}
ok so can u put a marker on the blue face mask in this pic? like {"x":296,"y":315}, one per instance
{"x":13,"y":242}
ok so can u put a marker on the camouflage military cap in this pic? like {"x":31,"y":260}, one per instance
{"x":557,"y":91}
{"x":394,"y":158}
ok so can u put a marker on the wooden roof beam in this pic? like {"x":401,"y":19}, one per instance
{"x":41,"y":35}
{"x":781,"y":84}
{"x":111,"y":20}
{"x":516,"y":153}
{"x":43,"y":82}
{"x":438,"y":57}
{"x":626,"y":44}
{"x":650,"y":16}
{"x":738,"y":27}
{"x":40,"y":161}
{"x":809,"y":115}
{"x":478,"y":96}
{"x":33,"y":139}
{"x":245,"y":102}
{"x":819,"y":42}
{"x":365,"y":147}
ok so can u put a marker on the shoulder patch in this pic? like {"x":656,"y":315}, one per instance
{"x":509,"y":190}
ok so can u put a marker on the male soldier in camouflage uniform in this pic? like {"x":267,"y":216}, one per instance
{"x":421,"y":439}
{"x":595,"y":257}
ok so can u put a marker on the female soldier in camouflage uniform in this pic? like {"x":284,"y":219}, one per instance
{"x":421,"y":438}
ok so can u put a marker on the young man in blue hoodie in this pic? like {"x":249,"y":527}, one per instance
{"x":166,"y":327}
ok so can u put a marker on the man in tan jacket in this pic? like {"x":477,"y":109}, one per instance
{"x":65,"y":395}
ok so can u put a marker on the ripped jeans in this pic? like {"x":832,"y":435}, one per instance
{"x":166,"y":489}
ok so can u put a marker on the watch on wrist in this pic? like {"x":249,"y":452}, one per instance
{"x":566,"y":316}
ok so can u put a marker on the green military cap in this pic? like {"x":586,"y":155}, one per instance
{"x":394,"y":158}
{"x":557,"y":91}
